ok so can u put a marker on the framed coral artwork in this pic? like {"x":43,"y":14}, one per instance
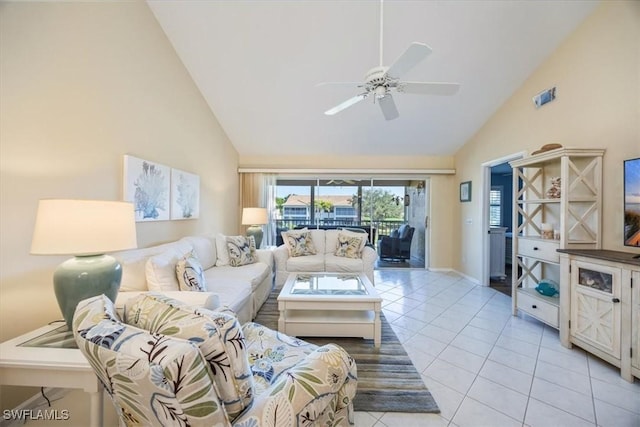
{"x":185,"y":195}
{"x":147,"y":185}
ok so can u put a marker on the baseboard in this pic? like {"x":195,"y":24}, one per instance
{"x":34,"y":408}
{"x":440,"y":270}
{"x":469,"y":278}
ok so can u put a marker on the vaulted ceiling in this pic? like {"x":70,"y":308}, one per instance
{"x":258,"y":65}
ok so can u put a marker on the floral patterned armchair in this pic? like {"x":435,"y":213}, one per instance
{"x":167,"y":363}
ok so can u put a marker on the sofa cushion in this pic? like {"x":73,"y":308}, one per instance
{"x":221,"y":250}
{"x":190,"y":274}
{"x":204,"y":248}
{"x":234,"y":293}
{"x":338,"y":264}
{"x":254,"y":274}
{"x":134,"y":264}
{"x":241,"y":249}
{"x":299,"y":242}
{"x":160,"y":270}
{"x":319,"y":238}
{"x":306,"y":263}
{"x":133,"y":273}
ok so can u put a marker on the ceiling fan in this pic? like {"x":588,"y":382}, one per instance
{"x":380,"y":81}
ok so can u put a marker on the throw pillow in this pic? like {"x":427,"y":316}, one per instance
{"x":349,"y":246}
{"x":363,"y":235}
{"x":241,"y":249}
{"x":299,"y":242}
{"x":222,"y":251}
{"x":160,"y":270}
{"x":190,"y":273}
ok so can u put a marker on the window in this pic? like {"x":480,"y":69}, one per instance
{"x":345,"y":212}
{"x":495,"y":207}
{"x":294,"y":211}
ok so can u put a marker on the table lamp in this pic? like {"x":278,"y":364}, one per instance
{"x":255,"y":218}
{"x":86,"y":229}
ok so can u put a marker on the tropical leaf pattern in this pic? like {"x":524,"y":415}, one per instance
{"x":167,"y":378}
{"x":318,"y":382}
{"x":217,"y":334}
{"x":299,"y":243}
{"x":242,"y":250}
{"x":152,"y":379}
{"x":190,"y":273}
{"x":349,"y":246}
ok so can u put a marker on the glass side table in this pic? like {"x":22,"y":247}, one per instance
{"x":48,"y":357}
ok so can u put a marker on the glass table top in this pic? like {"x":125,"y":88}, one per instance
{"x":328,"y":284}
{"x":59,"y":337}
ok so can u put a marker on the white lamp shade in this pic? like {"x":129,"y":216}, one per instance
{"x":83,"y":227}
{"x":254,"y":216}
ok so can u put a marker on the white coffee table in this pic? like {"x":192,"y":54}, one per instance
{"x":329,"y":305}
{"x":46,"y":358}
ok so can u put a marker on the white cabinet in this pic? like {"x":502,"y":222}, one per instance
{"x":497,"y":258}
{"x":602,"y":313}
{"x":635,"y":324}
{"x":595,"y":306}
{"x":557,"y":198}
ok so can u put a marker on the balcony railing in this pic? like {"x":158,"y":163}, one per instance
{"x":380,"y":227}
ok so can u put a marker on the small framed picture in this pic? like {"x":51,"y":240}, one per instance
{"x":544,"y":97}
{"x":465,"y":191}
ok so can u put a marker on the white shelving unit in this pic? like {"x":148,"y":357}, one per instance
{"x":574,"y":217}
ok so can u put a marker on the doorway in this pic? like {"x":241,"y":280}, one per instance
{"x":497,"y":219}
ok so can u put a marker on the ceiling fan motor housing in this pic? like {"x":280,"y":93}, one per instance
{"x":377,"y":81}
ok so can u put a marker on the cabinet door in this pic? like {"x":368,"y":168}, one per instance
{"x":595,"y":306}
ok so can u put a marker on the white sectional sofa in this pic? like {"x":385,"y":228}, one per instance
{"x":243,"y":289}
{"x":325,"y":260}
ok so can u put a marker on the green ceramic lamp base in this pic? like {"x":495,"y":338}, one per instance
{"x":256,"y":232}
{"x":84,"y":277}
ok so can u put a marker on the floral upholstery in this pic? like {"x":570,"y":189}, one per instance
{"x":172,"y":364}
{"x":318,"y":383}
{"x":217,"y":335}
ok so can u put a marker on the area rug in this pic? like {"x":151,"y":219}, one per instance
{"x":387,"y":380}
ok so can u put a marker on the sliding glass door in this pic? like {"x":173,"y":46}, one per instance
{"x":376,"y":205}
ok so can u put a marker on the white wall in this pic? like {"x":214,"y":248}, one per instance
{"x":81,"y":85}
{"x":597,"y":75}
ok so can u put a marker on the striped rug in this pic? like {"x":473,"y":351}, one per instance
{"x":387,"y":380}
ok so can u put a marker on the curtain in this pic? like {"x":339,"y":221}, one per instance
{"x":257,"y":190}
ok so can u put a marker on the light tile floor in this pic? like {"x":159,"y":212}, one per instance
{"x":486,"y":367}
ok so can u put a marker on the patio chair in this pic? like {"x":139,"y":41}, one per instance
{"x":397,"y":245}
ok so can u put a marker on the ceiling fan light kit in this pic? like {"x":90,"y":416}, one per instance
{"x":380,"y":81}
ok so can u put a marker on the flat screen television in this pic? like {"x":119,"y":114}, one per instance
{"x":632,"y":202}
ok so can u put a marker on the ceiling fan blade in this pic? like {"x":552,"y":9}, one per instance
{"x":428,"y":88}
{"x":339,"y":83}
{"x":415,"y":53}
{"x":346,"y":104}
{"x":388,"y":107}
